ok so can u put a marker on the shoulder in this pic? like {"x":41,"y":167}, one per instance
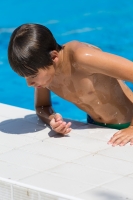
{"x":79,"y":47}
{"x":80,"y":50}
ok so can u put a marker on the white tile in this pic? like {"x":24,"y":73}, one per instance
{"x":79,"y":142}
{"x":101,"y":193}
{"x":4,"y":149}
{"x":4,"y":120}
{"x":28,"y":160}
{"x":15,"y":140}
{"x":105,"y":163}
{"x":84,"y":174}
{"x":55,"y":183}
{"x":123,"y":153}
{"x":97,"y":132}
{"x":14,"y":172}
{"x":34,"y":154}
{"x":68,"y":140}
{"x":42,"y":134}
{"x":53,"y":150}
{"x":131,"y":175}
{"x":122,"y":185}
{"x":14,"y":112}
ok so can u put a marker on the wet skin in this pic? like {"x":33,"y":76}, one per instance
{"x":92,"y":80}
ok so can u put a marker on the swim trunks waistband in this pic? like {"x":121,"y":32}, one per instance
{"x":115,"y":126}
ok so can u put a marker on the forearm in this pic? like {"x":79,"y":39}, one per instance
{"x":45,"y":113}
{"x":131,"y":122}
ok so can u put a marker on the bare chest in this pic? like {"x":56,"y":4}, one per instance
{"x":94,"y":90}
{"x":76,"y":88}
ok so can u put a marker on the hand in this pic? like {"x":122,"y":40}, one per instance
{"x":59,"y":126}
{"x":122,"y":137}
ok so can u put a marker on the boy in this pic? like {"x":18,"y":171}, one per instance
{"x":78,"y":72}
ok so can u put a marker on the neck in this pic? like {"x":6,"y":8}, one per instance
{"x":59,"y":63}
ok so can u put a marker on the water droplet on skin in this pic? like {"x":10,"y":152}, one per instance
{"x":40,"y":112}
{"x":88,"y":54}
{"x":98,"y":103}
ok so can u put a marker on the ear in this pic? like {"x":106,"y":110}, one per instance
{"x":54,"y":55}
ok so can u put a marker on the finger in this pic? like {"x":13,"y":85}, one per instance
{"x":120,"y":141}
{"x":131,"y":142}
{"x":60,"y":128}
{"x":125,"y":141}
{"x":57,"y":117}
{"x":67,"y":128}
{"x":68,"y":125}
{"x":114,"y":137}
{"x":54,"y":124}
{"x":64,"y":128}
{"x":65,"y":131}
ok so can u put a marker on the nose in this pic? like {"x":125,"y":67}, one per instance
{"x":29,"y":83}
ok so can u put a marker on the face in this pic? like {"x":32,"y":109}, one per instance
{"x":42,"y":79}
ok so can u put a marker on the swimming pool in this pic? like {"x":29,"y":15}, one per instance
{"x":104,"y":23}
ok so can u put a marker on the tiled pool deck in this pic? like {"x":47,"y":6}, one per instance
{"x":37,"y":164}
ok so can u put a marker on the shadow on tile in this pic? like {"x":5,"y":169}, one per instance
{"x":21,"y":125}
{"x":56,"y":135}
{"x":31,"y":124}
{"x":103,"y":194}
{"x":75,"y":125}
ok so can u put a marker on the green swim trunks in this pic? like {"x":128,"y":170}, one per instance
{"x":115,"y":126}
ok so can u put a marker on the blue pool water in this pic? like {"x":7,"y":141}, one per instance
{"x":105,"y":23}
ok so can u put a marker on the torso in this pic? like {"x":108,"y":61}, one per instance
{"x":104,"y":98}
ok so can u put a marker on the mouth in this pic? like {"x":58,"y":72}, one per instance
{"x":39,"y":86}
{"x":46,"y":84}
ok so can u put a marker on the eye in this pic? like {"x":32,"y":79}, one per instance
{"x":34,"y":76}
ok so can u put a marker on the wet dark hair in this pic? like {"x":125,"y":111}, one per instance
{"x":29,"y":49}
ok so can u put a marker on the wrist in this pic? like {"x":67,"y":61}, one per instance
{"x":52,"y":116}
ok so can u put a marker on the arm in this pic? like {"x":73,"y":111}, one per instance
{"x":96,"y":61}
{"x":120,"y":68}
{"x":43,"y":105}
{"x":46,"y":113}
